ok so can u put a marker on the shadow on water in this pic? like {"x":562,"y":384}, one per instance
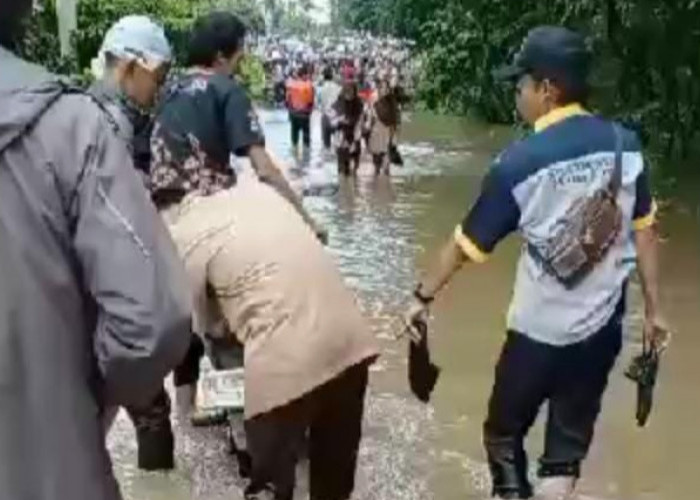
{"x":381,"y":231}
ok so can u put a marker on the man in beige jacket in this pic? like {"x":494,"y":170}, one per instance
{"x":307,"y":346}
{"x":254,"y":260}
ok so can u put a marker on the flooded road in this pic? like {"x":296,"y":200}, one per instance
{"x":382,"y":232}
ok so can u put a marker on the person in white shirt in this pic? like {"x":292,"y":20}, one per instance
{"x":330,"y":91}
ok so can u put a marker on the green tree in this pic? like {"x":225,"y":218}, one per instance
{"x":96,"y":16}
{"x":647,"y":55}
{"x":41,"y":42}
{"x":249,"y":11}
{"x":252,"y":75}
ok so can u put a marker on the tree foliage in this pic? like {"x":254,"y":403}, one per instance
{"x":648,"y":56}
{"x":96,"y":16}
{"x":291,"y":17}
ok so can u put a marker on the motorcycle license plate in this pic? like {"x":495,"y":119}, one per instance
{"x":221,"y":390}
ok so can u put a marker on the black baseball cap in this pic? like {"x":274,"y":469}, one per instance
{"x":550,"y":52}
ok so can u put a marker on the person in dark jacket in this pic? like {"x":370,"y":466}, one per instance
{"x":383,"y":119}
{"x":94,"y":309}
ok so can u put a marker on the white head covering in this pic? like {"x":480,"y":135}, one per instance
{"x":135,"y":38}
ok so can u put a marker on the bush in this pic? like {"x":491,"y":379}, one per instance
{"x":41,"y":43}
{"x":95,"y":17}
{"x":647,"y":74}
{"x":252,"y":75}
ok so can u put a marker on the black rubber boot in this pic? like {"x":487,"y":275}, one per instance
{"x":508,"y":465}
{"x":154,"y":434}
{"x":156,"y":449}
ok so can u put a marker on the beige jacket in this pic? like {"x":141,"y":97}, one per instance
{"x":277,"y":288}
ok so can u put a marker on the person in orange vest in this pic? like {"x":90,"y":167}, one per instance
{"x":365,"y":90}
{"x":300,"y":103}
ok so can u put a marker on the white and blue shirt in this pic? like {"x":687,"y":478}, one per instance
{"x":529,"y":189}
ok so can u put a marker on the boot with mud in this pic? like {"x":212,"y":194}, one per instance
{"x":156,"y":449}
{"x":154,"y":435}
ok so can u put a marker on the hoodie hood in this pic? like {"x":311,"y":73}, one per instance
{"x":107,"y":91}
{"x":26,"y":92}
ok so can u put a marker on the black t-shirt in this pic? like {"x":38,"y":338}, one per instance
{"x":203,"y":119}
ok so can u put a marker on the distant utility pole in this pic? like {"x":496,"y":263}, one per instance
{"x":67,"y":12}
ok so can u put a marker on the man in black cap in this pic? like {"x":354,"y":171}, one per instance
{"x":577,"y":192}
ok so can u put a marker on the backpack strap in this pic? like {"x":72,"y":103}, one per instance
{"x":616,"y":180}
{"x":108,"y":108}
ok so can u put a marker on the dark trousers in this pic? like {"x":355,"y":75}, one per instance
{"x":572,"y":379}
{"x":154,"y":433}
{"x":187,"y":372}
{"x":348,"y":161}
{"x":379,"y":161}
{"x":280,"y":93}
{"x":331,"y":415}
{"x":326,"y":132}
{"x":301,"y":125}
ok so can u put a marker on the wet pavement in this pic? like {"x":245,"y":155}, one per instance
{"x":382,"y":230}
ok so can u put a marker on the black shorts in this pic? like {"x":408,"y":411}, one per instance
{"x":187,"y":372}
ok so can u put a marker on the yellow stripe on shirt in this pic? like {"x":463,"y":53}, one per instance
{"x":647,"y":221}
{"x":558,"y":115}
{"x":470,"y":248}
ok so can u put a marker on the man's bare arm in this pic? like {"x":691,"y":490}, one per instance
{"x":647,"y":243}
{"x":656,"y":328}
{"x":451,"y":260}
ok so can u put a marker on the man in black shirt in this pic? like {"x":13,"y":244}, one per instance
{"x":206,"y":117}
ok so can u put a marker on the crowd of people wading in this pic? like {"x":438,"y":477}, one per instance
{"x":358,"y":83}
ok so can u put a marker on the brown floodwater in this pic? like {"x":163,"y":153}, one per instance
{"x":383,"y":231}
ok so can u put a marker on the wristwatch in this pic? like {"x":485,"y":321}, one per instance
{"x":418,"y":295}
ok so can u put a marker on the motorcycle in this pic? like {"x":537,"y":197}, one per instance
{"x":221,"y":396}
